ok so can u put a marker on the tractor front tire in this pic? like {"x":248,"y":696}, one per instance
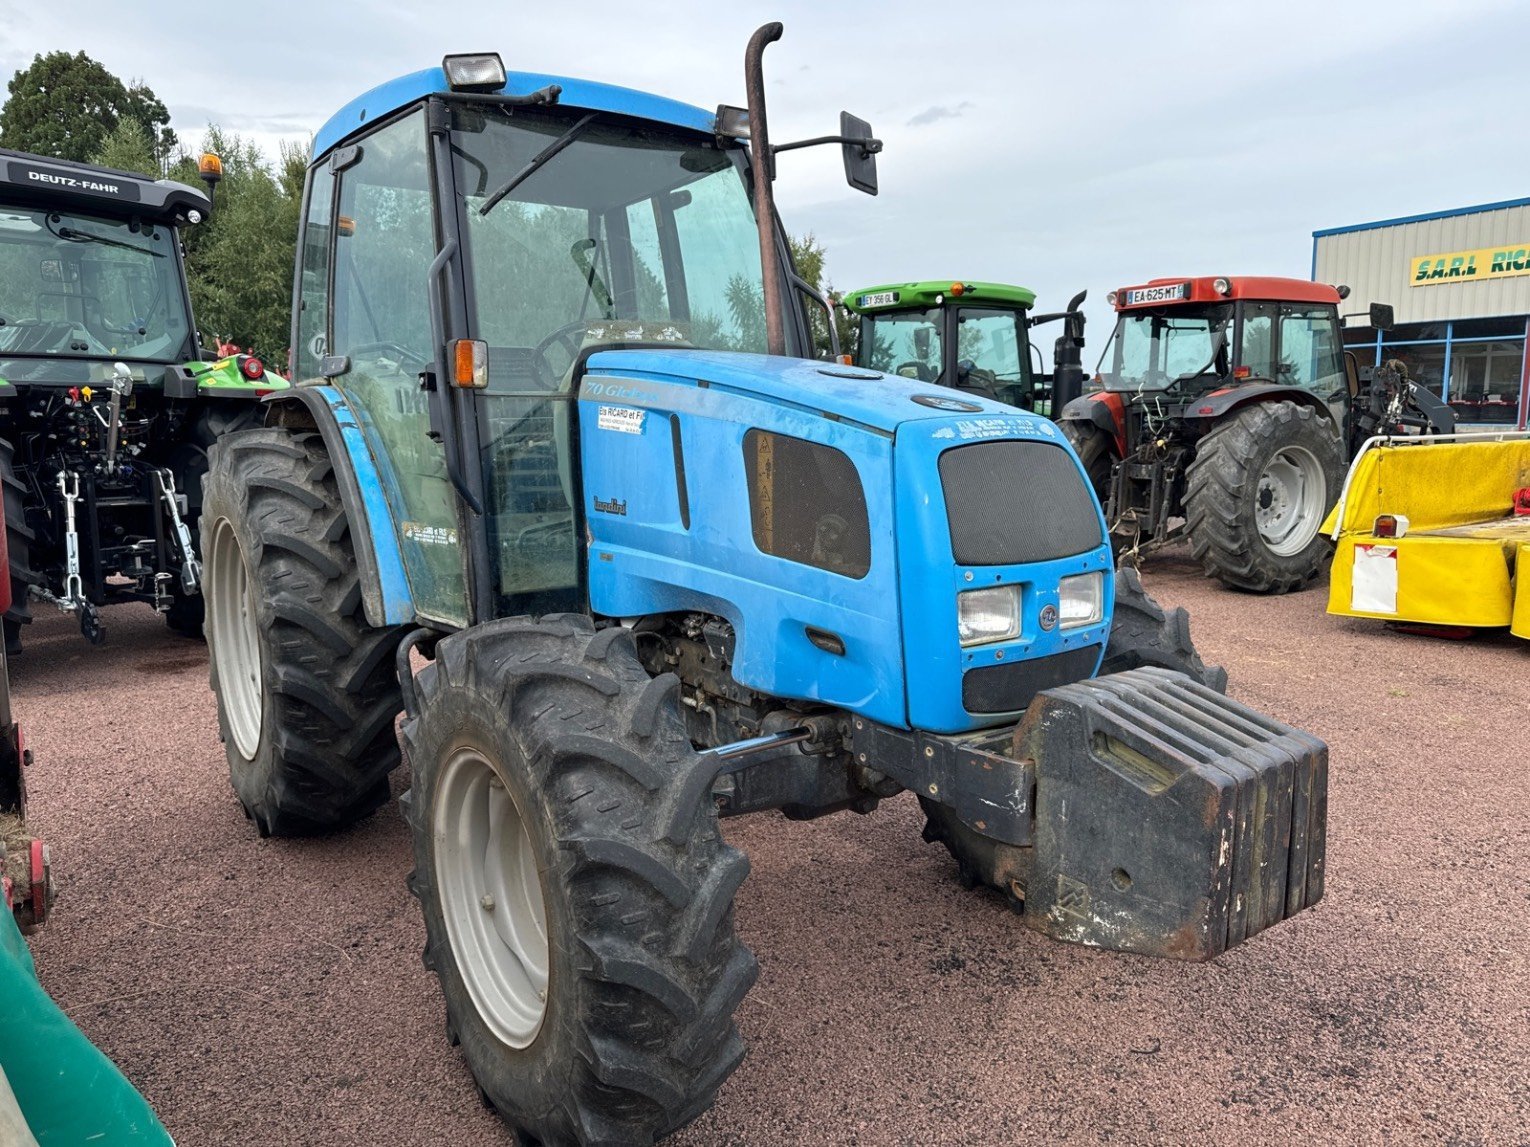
{"x":18,"y":544}
{"x":577,"y":894}
{"x":1262,"y":481}
{"x":307,"y":690}
{"x":1141,"y":633}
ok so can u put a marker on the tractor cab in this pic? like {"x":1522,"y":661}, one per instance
{"x":1192,"y":337}
{"x":968,"y":335}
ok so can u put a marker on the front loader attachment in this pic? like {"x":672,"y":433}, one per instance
{"x":1169,"y":819}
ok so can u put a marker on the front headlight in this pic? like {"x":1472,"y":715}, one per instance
{"x":985,"y":615}
{"x":1081,"y":600}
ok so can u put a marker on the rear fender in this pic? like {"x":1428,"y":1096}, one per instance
{"x":385,"y":593}
{"x":1104,"y":409}
{"x":1229,"y":398}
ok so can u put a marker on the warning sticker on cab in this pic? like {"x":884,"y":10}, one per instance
{"x":622,"y":419}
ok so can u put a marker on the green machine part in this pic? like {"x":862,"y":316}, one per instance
{"x":66,"y":1090}
{"x":934,"y":293}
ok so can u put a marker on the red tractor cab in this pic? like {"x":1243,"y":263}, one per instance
{"x":1224,"y":409}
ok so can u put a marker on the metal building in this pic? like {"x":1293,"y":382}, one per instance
{"x":1460,"y":283}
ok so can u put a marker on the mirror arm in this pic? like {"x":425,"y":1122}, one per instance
{"x":868,"y":146}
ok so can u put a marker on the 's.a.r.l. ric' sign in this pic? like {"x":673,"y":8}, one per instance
{"x":1469,"y":266}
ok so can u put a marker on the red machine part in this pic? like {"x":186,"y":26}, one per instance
{"x":1522,"y":502}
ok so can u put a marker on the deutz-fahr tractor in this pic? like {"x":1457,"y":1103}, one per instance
{"x":968,"y":335}
{"x":559,"y":482}
{"x":107,"y":403}
{"x":1225,"y":411}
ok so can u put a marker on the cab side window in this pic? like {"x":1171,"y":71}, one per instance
{"x":1310,"y":351}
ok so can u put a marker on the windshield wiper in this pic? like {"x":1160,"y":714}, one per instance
{"x":71,"y":235}
{"x":531,"y":168}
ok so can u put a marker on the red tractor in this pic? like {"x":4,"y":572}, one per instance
{"x":1225,"y":410}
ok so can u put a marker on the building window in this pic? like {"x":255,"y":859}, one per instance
{"x":1425,"y":363}
{"x":1484,"y":380}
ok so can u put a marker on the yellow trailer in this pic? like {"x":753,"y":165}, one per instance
{"x":1435,"y":531}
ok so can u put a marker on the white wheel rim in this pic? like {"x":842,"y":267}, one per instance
{"x":1289,"y":500}
{"x":234,"y":628}
{"x":491,"y":897}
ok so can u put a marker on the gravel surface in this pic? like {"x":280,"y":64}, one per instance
{"x":271,"y":992}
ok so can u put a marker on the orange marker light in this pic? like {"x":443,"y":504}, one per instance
{"x":470,"y":364}
{"x":210,"y":167}
{"x":1243,"y":372}
{"x":345,"y":225}
{"x":958,"y":289}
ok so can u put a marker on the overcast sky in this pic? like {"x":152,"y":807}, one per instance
{"x":1060,"y":146}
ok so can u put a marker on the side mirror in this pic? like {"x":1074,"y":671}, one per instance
{"x":860,"y":150}
{"x":1381,"y":316}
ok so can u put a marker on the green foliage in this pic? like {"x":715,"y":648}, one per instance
{"x":67,"y":106}
{"x":239,"y":264}
{"x":809,"y":256}
{"x":128,"y":147}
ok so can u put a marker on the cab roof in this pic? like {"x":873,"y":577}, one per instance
{"x":1266,"y":288}
{"x":936,"y":292}
{"x":40,"y":181}
{"x":385,"y":99}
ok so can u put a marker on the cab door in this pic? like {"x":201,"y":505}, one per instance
{"x":364,"y":326}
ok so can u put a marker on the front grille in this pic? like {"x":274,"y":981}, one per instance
{"x":1014,"y":502}
{"x":1009,"y":687}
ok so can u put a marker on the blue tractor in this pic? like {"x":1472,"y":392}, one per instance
{"x":558,"y":482}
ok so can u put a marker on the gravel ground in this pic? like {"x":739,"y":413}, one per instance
{"x":271,"y":992}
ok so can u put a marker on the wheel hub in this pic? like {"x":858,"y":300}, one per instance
{"x":1290,"y":500}
{"x":233,"y":628}
{"x":491,"y":897}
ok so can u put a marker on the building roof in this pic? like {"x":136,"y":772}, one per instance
{"x":1424,"y":218}
{"x":385,"y":99}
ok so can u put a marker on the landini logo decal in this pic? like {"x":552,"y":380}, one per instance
{"x":612,"y":506}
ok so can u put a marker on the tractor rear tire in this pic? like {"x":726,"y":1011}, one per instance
{"x":1096,"y":451}
{"x":1141,"y":633}
{"x":577,"y":893}
{"x":307,"y":690}
{"x":187,"y":612}
{"x":1262,"y":481}
{"x":18,"y":544}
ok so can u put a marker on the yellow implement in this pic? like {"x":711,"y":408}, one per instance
{"x":1426,"y":532}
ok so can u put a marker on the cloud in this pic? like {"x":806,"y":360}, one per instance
{"x":939,"y":112}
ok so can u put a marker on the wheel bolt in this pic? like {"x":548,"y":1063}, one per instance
{"x":487,"y":903}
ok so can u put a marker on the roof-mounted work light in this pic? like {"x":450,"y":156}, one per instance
{"x":476,"y":72}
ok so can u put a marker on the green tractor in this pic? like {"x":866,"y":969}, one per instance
{"x":967,"y":335}
{"x":559,"y":482}
{"x":108,"y":404}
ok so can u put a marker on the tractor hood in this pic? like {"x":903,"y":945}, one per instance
{"x":869,"y":398}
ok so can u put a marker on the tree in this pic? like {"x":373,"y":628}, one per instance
{"x":239,"y":263}
{"x":128,"y":147}
{"x":66,"y":106}
{"x":809,"y":255}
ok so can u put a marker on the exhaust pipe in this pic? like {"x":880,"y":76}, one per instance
{"x":763,"y":163}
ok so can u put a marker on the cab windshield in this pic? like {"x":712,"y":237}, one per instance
{"x":84,"y":287}
{"x":1153,"y":349}
{"x":622,"y":235}
{"x":906,"y":343}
